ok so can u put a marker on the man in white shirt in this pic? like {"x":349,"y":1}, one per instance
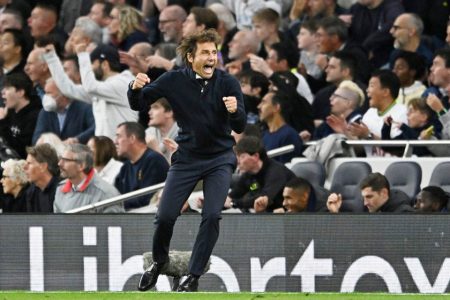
{"x":102,"y":84}
{"x":382,"y":90}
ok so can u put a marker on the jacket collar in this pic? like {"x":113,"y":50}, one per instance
{"x":67,"y":187}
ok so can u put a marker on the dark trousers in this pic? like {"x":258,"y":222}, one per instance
{"x":183,"y":175}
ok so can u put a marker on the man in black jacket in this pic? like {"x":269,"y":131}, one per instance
{"x":262,"y":181}
{"x":207,"y":104}
{"x":18,"y":118}
{"x":377,"y":197}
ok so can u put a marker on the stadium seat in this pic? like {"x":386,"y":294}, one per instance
{"x":346,"y":179}
{"x":441,"y":176}
{"x":405,"y":176}
{"x":312,"y":171}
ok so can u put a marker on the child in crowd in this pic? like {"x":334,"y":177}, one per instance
{"x":307,"y":43}
{"x":422,"y":124}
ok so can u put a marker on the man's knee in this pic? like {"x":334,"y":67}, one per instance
{"x":165,"y":219}
{"x":211,"y":218}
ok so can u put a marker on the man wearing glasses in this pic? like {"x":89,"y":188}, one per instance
{"x":82,"y":185}
{"x":345,"y":103}
{"x":171,"y":21}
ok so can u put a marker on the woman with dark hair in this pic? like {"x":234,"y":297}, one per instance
{"x":105,"y":158}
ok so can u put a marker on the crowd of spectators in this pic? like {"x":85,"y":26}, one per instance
{"x":309,"y":69}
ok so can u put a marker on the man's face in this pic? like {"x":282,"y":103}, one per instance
{"x":52,"y":90}
{"x":439,"y":73}
{"x":403,"y":72}
{"x":122,"y":142}
{"x":334,"y":71}
{"x":236,"y":48}
{"x":266,"y":108}
{"x":247,"y":162}
{"x":158,"y":116}
{"x":98,"y":70}
{"x":34,"y":169}
{"x":272,"y":61}
{"x":316,"y":7}
{"x":37,"y":22}
{"x":36,"y":68}
{"x":7,"y":21}
{"x":96,"y":15}
{"x":424,"y":202}
{"x":8,"y":51}
{"x":11,"y":97}
{"x":262,"y":29}
{"x":339,"y":102}
{"x":70,"y":68}
{"x":401,"y":32}
{"x":69,"y":165}
{"x":306,"y":39}
{"x":169,"y":26}
{"x":295,"y":200}
{"x":204,"y":61}
{"x":374,"y":200}
{"x":190,"y":26}
{"x":375,"y":92}
{"x":137,"y":51}
{"x":325,"y":41}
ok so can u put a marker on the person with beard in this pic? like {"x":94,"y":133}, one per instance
{"x":102,"y":85}
{"x":407,"y":33}
{"x":254,"y":86}
{"x":207,"y":103}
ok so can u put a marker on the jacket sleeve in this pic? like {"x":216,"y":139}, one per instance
{"x":67,"y":87}
{"x":89,"y":125}
{"x":140,"y":99}
{"x":238,"y":119}
{"x":274,"y":183}
{"x":109,"y":90}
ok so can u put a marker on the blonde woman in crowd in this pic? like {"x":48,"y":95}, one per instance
{"x":126,"y":27}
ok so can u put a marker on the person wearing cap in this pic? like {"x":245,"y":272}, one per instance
{"x":208,"y":104}
{"x":102,"y":84}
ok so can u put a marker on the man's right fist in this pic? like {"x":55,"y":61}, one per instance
{"x":141,"y":80}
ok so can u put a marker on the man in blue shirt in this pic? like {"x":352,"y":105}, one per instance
{"x":207,"y":104}
{"x":72,"y":121}
{"x":143,"y":167}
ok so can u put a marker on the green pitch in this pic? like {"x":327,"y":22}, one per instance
{"x":208,"y":296}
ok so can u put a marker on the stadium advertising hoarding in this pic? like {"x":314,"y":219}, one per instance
{"x":309,"y":253}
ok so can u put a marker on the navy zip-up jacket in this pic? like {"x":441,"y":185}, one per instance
{"x":205,"y":124}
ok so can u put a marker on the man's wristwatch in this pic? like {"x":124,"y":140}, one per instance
{"x":370,"y":136}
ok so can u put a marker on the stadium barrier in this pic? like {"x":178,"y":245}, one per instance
{"x":151,"y":189}
{"x":303,"y":252}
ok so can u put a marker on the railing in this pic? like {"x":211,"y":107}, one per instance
{"x":151,"y":189}
{"x":408,"y":144}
